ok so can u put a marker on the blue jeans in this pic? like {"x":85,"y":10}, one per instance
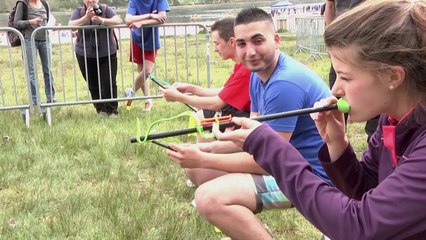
{"x":45,"y":50}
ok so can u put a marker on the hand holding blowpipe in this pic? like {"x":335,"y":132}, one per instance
{"x":341,"y":105}
{"x":162,"y":86}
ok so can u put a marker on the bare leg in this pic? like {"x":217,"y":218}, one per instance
{"x":142,"y":83}
{"x":201,"y":175}
{"x":228,"y":202}
{"x":143,"y":72}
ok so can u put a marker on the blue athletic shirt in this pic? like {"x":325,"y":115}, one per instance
{"x":138,"y":7}
{"x":292,"y":86}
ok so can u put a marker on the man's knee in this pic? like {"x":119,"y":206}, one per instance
{"x":214,"y":196}
{"x":207,"y":200}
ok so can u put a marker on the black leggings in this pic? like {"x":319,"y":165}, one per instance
{"x":104,"y":86}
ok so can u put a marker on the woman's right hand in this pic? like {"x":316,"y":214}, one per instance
{"x":89,"y":13}
{"x":238,"y":136}
{"x":36,"y":21}
{"x":331,"y":127}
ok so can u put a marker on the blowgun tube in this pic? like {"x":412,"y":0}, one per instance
{"x":341,"y":105}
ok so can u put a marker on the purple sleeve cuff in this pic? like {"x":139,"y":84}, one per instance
{"x":249,"y":143}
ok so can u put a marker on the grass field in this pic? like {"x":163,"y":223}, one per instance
{"x":81,"y":178}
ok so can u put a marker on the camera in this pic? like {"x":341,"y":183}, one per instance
{"x":97,"y":9}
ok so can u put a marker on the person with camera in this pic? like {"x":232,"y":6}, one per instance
{"x":96,"y":50}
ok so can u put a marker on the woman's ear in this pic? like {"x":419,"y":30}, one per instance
{"x":397,"y":76}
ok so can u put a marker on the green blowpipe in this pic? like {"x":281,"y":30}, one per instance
{"x":341,"y":105}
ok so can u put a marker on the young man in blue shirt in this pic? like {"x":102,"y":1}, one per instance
{"x":278,"y":84}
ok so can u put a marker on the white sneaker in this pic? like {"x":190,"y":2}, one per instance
{"x":190,"y":184}
{"x":129,"y":92}
{"x":193,"y":203}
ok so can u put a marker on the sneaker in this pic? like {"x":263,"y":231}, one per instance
{"x":193,"y":203}
{"x":128,"y":94}
{"x":113,"y":115}
{"x":103,"y":114}
{"x":190,"y":184}
{"x":148,"y":105}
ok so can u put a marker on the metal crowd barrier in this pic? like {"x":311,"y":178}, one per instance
{"x":309,"y":36}
{"x":192,"y":66}
{"x":14,"y":85}
{"x":286,"y":23}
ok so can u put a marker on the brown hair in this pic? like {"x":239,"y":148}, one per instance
{"x":250,"y":15}
{"x":386,"y":33}
{"x":225,"y":28}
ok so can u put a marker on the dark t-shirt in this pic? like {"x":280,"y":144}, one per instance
{"x":92,"y":36}
{"x":342,"y":6}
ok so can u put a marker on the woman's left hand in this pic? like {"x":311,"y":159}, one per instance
{"x":96,"y":20}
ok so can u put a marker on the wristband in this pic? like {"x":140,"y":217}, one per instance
{"x":102,"y":22}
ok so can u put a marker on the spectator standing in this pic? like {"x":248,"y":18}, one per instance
{"x":96,"y":50}
{"x":145,"y":41}
{"x":30,"y":15}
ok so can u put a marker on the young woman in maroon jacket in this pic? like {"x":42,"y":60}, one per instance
{"x":379,"y":52}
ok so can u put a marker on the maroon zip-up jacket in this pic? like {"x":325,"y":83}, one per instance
{"x":372,"y":199}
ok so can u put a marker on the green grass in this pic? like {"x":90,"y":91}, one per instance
{"x":81,"y":178}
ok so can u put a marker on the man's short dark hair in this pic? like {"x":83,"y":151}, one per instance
{"x":250,"y":15}
{"x":225,"y":27}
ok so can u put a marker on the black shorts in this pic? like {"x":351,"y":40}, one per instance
{"x":227,"y":110}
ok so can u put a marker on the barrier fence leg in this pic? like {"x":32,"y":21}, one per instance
{"x":26,"y":116}
{"x":47,"y":115}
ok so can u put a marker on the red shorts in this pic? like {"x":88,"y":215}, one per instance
{"x":137,"y":54}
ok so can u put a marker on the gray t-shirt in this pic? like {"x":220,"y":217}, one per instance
{"x":94,"y":37}
{"x":32,"y":12}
